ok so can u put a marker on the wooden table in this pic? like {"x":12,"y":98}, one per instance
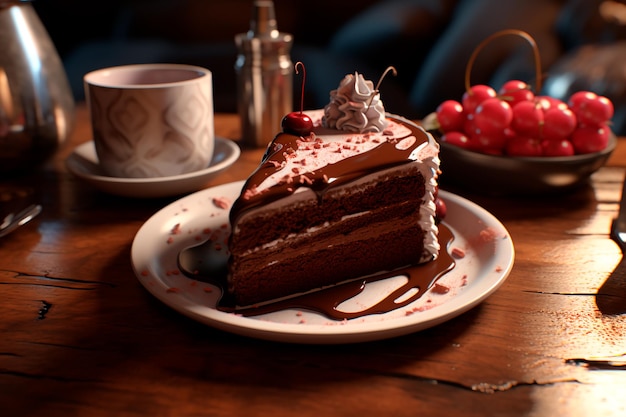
{"x":79,"y":336}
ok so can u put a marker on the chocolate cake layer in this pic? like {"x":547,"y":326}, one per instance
{"x":298,"y":266}
{"x":309,"y":211}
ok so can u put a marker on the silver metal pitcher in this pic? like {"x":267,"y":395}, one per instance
{"x":36,"y":102}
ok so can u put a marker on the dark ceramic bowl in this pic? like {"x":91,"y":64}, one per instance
{"x":505,"y":175}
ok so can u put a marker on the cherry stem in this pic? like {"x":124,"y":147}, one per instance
{"x":505,"y":32}
{"x":382,"y":77}
{"x":300,"y":64}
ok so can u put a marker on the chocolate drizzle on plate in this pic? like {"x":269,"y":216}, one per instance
{"x":420,"y":278}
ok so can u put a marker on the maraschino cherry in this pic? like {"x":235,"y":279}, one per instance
{"x":298,"y":123}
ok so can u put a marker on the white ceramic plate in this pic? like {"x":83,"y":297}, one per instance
{"x":83,"y":163}
{"x":487,"y":261}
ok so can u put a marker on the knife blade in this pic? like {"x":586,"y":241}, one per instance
{"x":611,"y":296}
{"x":13,"y":199}
{"x":618,"y":226}
{"x":19,"y":219}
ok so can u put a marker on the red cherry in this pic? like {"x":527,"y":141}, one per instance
{"x":450,"y":116}
{"x":476,"y":95}
{"x":560,"y":147}
{"x":579,"y":101}
{"x":590,"y":108}
{"x":589,"y":139}
{"x":457,"y":139}
{"x":606,"y":107}
{"x":440,"y":210}
{"x":298,"y":123}
{"x":559,"y":123}
{"x":515,"y":92}
{"x":469,"y":127}
{"x":509,"y":133}
{"x":547,"y":102}
{"x":491,"y":142}
{"x":523,"y":146}
{"x":493,"y":115}
{"x":528,"y":117}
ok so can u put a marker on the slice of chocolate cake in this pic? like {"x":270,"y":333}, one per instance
{"x":354,"y":197}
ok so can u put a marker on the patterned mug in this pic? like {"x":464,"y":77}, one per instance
{"x":151,"y":120}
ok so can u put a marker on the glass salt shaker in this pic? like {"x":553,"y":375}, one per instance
{"x":264,"y":76}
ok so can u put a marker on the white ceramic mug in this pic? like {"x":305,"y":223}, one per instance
{"x":151,"y":120}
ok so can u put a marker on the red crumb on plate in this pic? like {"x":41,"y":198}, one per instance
{"x":489,"y":234}
{"x":221,"y":202}
{"x":176,"y":229}
{"x":418,"y":309}
{"x":173,"y":290}
{"x":458,"y":252}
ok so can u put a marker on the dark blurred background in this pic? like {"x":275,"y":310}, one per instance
{"x":428,"y":41}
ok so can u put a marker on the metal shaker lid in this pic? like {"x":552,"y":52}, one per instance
{"x":263,"y":32}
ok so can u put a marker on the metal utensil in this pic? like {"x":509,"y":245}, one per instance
{"x":611,"y":297}
{"x":14,"y":220}
{"x":618,"y":227}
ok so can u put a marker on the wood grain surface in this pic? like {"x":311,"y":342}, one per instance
{"x":79,"y":335}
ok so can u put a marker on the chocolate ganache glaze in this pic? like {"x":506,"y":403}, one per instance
{"x":327,"y":158}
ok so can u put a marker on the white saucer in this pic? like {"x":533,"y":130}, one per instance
{"x":83,"y":163}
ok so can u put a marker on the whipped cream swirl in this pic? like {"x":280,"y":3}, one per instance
{"x":355,"y":106}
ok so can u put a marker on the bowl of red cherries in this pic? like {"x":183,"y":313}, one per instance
{"x":512,"y":140}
